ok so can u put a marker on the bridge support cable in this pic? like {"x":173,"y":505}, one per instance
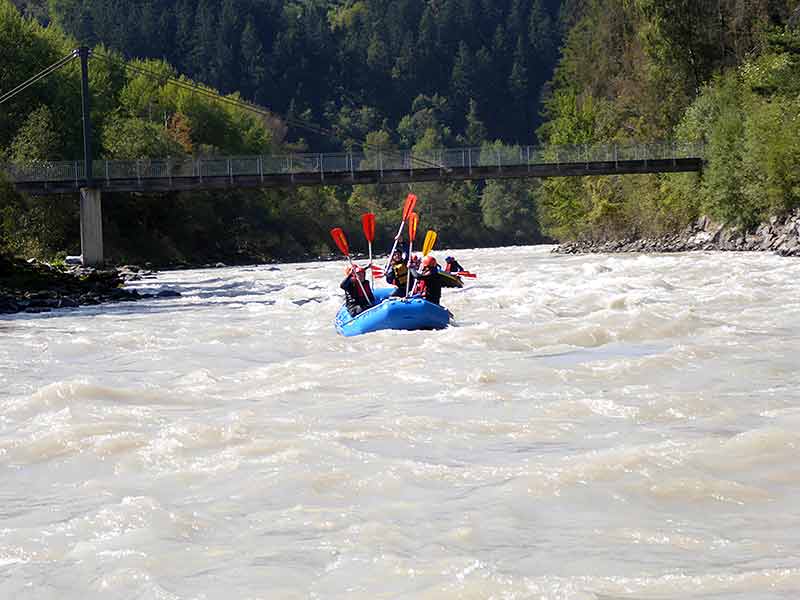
{"x":248,"y":106}
{"x":39,"y":76}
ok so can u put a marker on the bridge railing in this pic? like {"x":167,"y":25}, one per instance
{"x":494,"y":156}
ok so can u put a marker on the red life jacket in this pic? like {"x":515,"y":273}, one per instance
{"x":421,"y":288}
{"x":364,"y":297}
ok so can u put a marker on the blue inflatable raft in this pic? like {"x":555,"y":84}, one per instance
{"x":393,"y":313}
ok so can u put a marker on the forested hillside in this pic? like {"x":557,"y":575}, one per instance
{"x":724,"y":72}
{"x":400,"y":74}
{"x":353,"y":64}
{"x":415,"y":75}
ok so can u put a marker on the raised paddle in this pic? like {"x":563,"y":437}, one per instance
{"x":413,"y":221}
{"x":341,"y":241}
{"x":408,"y":207}
{"x":368,"y":225}
{"x":430,"y":240}
{"x":464,"y":274}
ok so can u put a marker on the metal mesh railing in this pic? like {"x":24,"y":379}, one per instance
{"x":350,"y":162}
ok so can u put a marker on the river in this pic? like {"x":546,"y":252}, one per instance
{"x":594,"y":427}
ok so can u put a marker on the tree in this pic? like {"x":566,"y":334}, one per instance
{"x":133,"y":138}
{"x":253,"y":69}
{"x":509,"y":211}
{"x":462,"y":78}
{"x":475,"y":132}
{"x":37,"y":139}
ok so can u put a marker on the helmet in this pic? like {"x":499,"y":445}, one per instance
{"x":428,"y":262}
{"x":359,"y":270}
{"x":414,"y":260}
{"x":449,"y":259}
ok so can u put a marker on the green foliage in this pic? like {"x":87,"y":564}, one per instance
{"x":638,"y":70}
{"x":133,"y":138}
{"x":750,"y":120}
{"x":318,"y":54}
{"x":508,"y":209}
{"x":37,"y":138}
{"x":395,"y":75}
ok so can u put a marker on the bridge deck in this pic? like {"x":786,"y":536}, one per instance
{"x":353,"y":169}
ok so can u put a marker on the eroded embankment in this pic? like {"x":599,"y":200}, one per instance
{"x":780,"y":235}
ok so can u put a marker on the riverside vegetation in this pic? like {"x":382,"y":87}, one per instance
{"x":366,"y":71}
{"x":405,"y":74}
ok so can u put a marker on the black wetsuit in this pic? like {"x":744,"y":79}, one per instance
{"x":354,"y":299}
{"x":433,"y":284}
{"x":454,"y":266}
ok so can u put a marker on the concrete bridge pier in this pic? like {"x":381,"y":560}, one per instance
{"x":91,"y":227}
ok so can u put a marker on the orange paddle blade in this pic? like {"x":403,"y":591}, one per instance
{"x":413,"y":220}
{"x":408,"y":207}
{"x":338,"y":236}
{"x":368,"y":223}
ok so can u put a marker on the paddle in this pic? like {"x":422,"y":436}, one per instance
{"x":408,"y":207}
{"x":368,"y":225}
{"x":413,"y":221}
{"x":464,"y":274}
{"x":430,"y":240}
{"x":341,"y":241}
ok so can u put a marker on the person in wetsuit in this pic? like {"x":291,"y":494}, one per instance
{"x":358,"y":295}
{"x":430,"y":280}
{"x":453,"y":266}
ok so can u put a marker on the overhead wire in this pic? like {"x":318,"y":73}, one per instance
{"x":241,"y":104}
{"x":39,"y":76}
{"x":203,"y":91}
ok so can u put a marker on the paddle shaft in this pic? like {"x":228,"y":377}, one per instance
{"x":394,"y":246}
{"x":358,"y":281}
{"x":371,"y":274}
{"x":408,"y":266}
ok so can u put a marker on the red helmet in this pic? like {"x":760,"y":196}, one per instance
{"x":359,"y":270}
{"x":428,"y":262}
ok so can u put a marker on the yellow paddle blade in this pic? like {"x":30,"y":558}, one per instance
{"x":430,"y":240}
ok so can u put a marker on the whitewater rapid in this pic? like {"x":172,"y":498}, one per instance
{"x":593,"y":427}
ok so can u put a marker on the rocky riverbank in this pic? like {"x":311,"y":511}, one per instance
{"x":779,"y":234}
{"x":34,"y":287}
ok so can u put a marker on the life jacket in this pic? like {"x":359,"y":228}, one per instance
{"x":364,"y":297}
{"x":421,"y":288}
{"x":400,"y":274}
